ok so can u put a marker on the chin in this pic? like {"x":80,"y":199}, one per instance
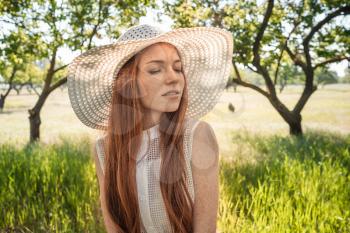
{"x":167,"y":107}
{"x":172,"y":109}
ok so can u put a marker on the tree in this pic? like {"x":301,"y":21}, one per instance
{"x":325,"y":76}
{"x":76,"y":24}
{"x":310,"y":33}
{"x":346,"y":77}
{"x":289,"y":74}
{"x":16,"y":52}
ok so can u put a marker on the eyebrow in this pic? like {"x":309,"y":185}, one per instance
{"x":161,"y":61}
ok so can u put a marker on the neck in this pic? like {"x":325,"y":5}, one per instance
{"x":151,"y":120}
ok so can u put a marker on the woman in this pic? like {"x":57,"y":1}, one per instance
{"x":157,"y":165}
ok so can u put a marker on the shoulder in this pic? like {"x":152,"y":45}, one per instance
{"x":205,"y":149}
{"x":204,"y":133}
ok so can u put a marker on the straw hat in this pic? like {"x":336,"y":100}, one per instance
{"x":206,"y":57}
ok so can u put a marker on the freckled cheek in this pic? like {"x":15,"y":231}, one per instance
{"x":148,"y":86}
{"x":153,"y":93}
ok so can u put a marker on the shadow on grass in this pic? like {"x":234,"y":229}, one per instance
{"x":315,"y":146}
{"x":288,"y":177}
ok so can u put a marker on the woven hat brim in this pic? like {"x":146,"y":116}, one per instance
{"x":206,"y":56}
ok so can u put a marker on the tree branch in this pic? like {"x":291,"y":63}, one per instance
{"x":50,"y":72}
{"x":252,"y":69}
{"x":317,"y":27}
{"x":57,"y":84}
{"x":259,"y":36}
{"x":335,"y":59}
{"x":239,"y":81}
{"x":295,"y":58}
{"x":345,"y":10}
{"x":304,"y":98}
{"x":296,"y":24}
{"x":309,"y":70}
{"x":60,"y":68}
{"x":12,"y":77}
{"x":256,"y":60}
{"x":94,"y":30}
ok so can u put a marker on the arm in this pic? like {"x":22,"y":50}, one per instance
{"x":110,"y":227}
{"x":205,"y":173}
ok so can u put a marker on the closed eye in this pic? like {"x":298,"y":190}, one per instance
{"x":154,"y":71}
{"x":157,"y":71}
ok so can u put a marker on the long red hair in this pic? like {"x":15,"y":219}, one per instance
{"x":123,"y":141}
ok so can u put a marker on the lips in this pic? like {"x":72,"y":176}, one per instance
{"x":171,"y":92}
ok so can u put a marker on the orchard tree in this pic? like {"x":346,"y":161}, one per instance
{"x":346,"y":77}
{"x":74,"y":24}
{"x":325,"y":76}
{"x":16,"y":52}
{"x":311,"y":33}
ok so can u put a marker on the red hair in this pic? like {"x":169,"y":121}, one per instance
{"x":123,"y":141}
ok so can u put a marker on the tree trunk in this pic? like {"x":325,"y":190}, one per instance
{"x":295,"y":127}
{"x":34,"y":117}
{"x":294,"y":121}
{"x":2,"y":102}
{"x":292,"y":118}
{"x":3,"y":97}
{"x":34,"y":121}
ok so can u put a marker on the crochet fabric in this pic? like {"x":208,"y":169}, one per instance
{"x":153,"y":213}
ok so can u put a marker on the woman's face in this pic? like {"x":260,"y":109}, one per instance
{"x":160,"y":71}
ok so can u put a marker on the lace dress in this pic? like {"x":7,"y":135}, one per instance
{"x":153,"y":214}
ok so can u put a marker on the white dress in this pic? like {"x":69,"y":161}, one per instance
{"x":153,"y":214}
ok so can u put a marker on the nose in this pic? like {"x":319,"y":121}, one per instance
{"x":172,"y":76}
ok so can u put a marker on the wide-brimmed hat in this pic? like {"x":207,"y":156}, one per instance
{"x":206,"y":57}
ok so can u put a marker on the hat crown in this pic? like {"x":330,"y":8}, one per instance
{"x":142,"y":31}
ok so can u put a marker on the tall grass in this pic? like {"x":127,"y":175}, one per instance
{"x":299,"y":185}
{"x":48,"y":188}
{"x":270,"y":184}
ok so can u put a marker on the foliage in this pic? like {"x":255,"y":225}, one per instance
{"x":56,"y":25}
{"x":325,"y":76}
{"x":17,"y":53}
{"x":269,"y":36}
{"x":346,"y":77}
{"x":243,"y":19}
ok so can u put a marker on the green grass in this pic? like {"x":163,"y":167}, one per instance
{"x":269,"y":184}
{"x":289,"y":184}
{"x":48,"y":188}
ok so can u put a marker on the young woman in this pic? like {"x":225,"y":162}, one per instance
{"x":157,"y":164}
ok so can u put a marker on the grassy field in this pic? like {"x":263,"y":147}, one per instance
{"x":269,"y":181}
{"x":279,"y":184}
{"x":49,"y":188}
{"x":288,"y":185}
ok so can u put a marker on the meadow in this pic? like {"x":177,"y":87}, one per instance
{"x":269,"y":181}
